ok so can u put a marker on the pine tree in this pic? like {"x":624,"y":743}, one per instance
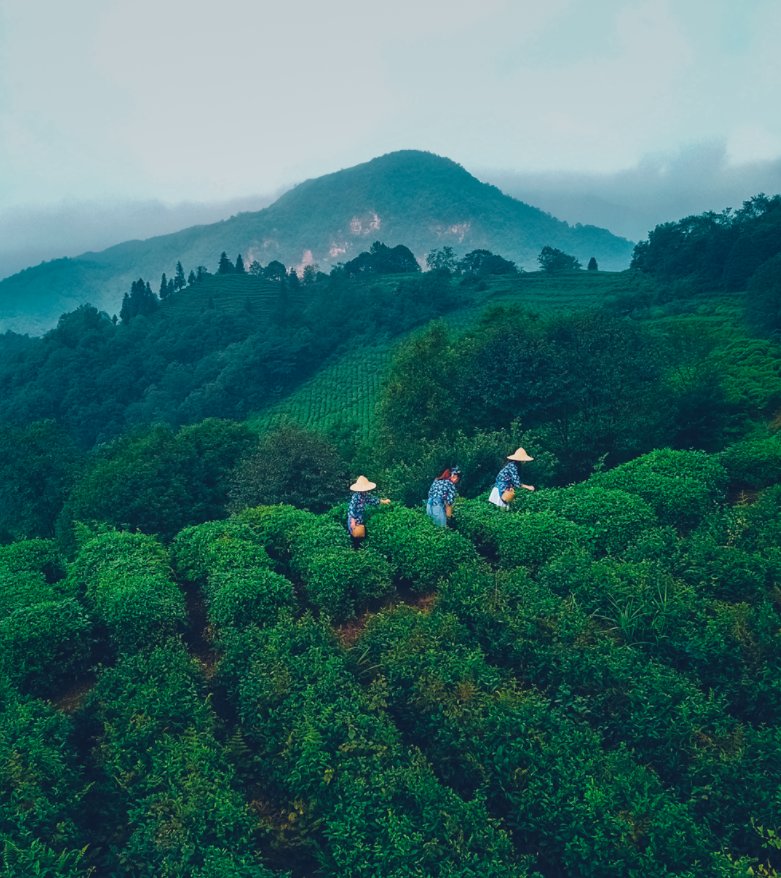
{"x":239,"y":265}
{"x":179,"y":282}
{"x":163,"y":292}
{"x":225,"y":266}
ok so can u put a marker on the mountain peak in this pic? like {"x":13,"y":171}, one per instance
{"x":411,"y":197}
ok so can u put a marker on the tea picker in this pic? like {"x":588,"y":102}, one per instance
{"x":442,"y":495}
{"x":356,"y":511}
{"x":508,"y":479}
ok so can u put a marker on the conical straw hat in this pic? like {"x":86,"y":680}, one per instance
{"x":362,"y":484}
{"x":520,"y":454}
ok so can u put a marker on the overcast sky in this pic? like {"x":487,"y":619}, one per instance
{"x":125,"y":119}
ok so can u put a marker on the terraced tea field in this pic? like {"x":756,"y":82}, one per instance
{"x":232,"y":293}
{"x":345,"y":392}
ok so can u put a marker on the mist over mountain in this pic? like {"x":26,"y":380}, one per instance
{"x":409,"y":197}
{"x":30,"y":235}
{"x":658,"y":189}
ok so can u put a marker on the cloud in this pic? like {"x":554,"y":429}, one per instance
{"x":32,"y":235}
{"x":660,"y":188}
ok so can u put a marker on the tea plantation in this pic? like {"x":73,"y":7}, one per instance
{"x":586,"y":685}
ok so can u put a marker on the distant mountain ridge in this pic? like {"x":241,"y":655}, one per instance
{"x":408,"y":197}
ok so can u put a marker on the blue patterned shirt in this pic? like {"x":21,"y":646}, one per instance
{"x":508,"y":475}
{"x":442,"y":491}
{"x":358,"y":503}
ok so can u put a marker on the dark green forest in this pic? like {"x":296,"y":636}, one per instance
{"x":199,"y":676}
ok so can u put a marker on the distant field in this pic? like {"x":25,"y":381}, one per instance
{"x":346,"y":391}
{"x":232,"y":293}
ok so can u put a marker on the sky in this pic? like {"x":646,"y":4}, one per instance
{"x":124,"y":119}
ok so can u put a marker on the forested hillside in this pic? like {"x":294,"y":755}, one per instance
{"x":201,"y":676}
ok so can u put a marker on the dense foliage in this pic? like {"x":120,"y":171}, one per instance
{"x":586,"y":684}
{"x":588,"y":386}
{"x":714,"y":251}
{"x":223,"y":347}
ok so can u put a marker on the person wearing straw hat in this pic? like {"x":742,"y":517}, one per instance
{"x":356,"y":511}
{"x":442,"y":495}
{"x":508,"y":479}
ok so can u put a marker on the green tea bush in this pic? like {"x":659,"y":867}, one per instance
{"x":757,"y":527}
{"x":34,"y":857}
{"x":275,"y":526}
{"x":138,"y":610}
{"x":318,"y":533}
{"x":248,"y":597}
{"x":659,"y":545}
{"x":23,"y":589}
{"x":127,"y":580}
{"x":514,"y":539}
{"x":44,"y":645}
{"x":219,"y":863}
{"x":474,"y":519}
{"x":230,"y":544}
{"x":636,"y":603}
{"x":154,"y":734}
{"x":337,"y":579}
{"x":555,"y":644}
{"x":40,"y":556}
{"x":680,"y":486}
{"x":325,"y":745}
{"x":342,"y":582}
{"x":121,"y":551}
{"x":530,"y":539}
{"x":610,"y":519}
{"x":736,"y":649}
{"x":228,"y":559}
{"x":187,"y":807}
{"x":41,"y":790}
{"x":586,"y":811}
{"x":754,"y":463}
{"x":723,"y":572}
{"x":735,"y":789}
{"x":420,"y":553}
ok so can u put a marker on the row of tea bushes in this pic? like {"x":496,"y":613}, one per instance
{"x":727,"y":770}
{"x":315,"y":553}
{"x":551,"y":642}
{"x":126,"y":581}
{"x":682,"y":487}
{"x":420,"y":553}
{"x":726,"y":646}
{"x":363,"y":803}
{"x":45,"y":631}
{"x":705,"y":602}
{"x":170,"y":797}
{"x":356,"y":802}
{"x":512,"y":540}
{"x":583,"y":810}
{"x":234,"y":570}
{"x":604,"y":515}
{"x":42,"y":788}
